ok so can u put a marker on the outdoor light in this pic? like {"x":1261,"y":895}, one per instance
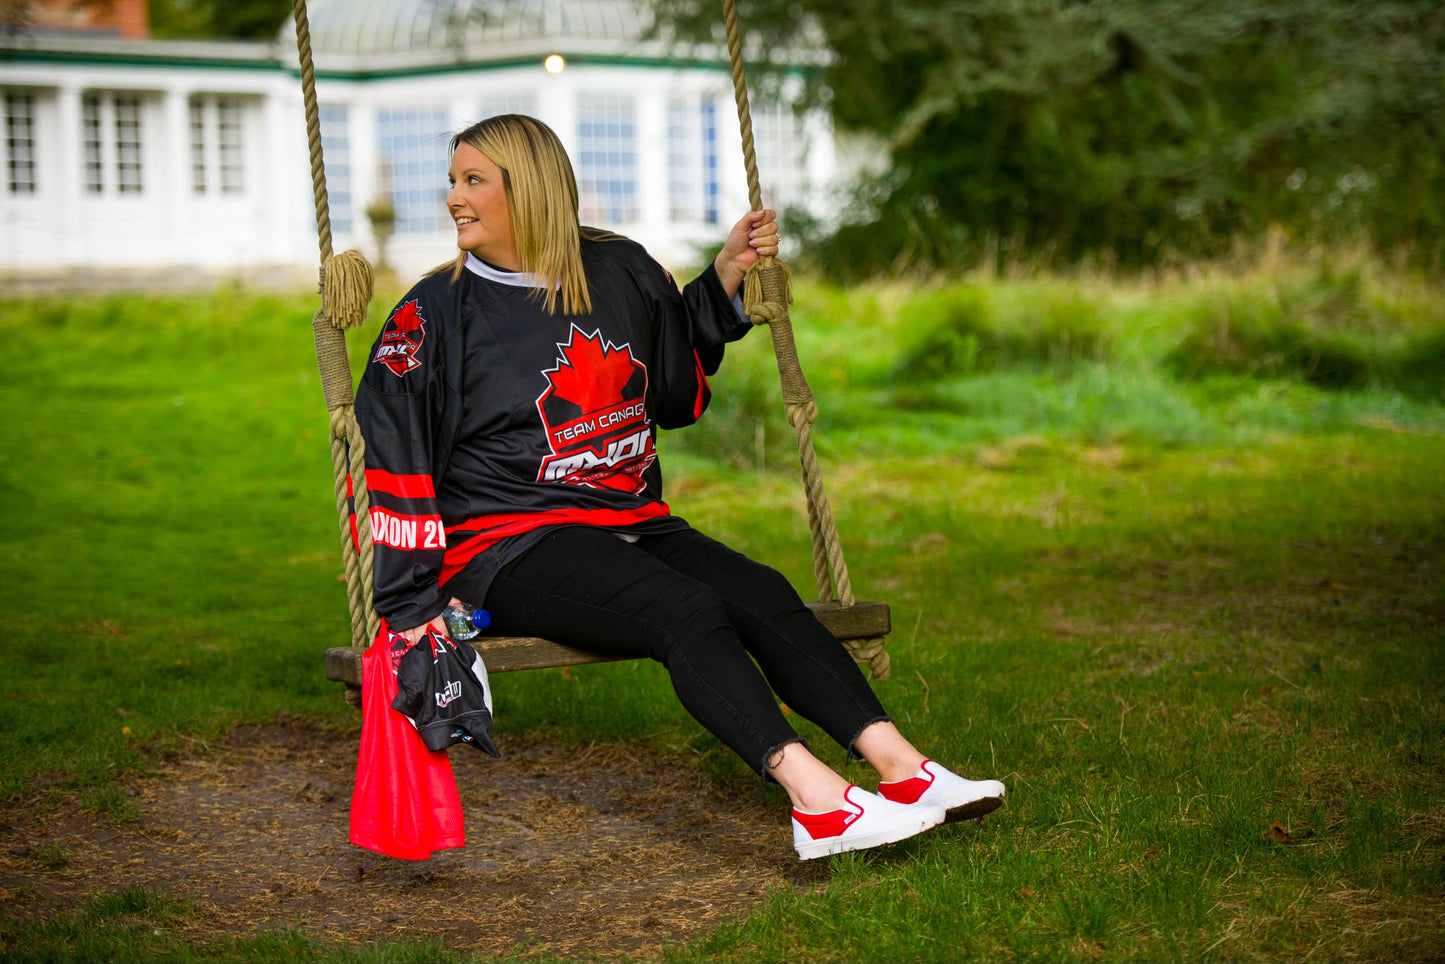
{"x":554,"y":64}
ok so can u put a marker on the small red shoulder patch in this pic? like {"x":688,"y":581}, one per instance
{"x":401,"y":339}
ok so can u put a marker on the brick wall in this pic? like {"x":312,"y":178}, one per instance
{"x":128,"y":19}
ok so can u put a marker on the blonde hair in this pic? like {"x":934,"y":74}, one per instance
{"x":542,"y":197}
{"x":542,"y":200}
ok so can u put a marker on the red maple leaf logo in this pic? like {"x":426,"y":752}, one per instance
{"x":407,"y":318}
{"x":401,"y":339}
{"x":591,"y":375}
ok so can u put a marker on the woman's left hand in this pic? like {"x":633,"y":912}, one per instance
{"x":752,"y":237}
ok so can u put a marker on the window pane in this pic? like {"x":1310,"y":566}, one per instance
{"x":412,"y":145}
{"x":20,"y":143}
{"x":781,"y":146}
{"x":127,"y":145}
{"x":93,"y":171}
{"x":336,"y":155}
{"x":710,"y":188}
{"x":607,"y":157}
{"x":198,"y":145}
{"x":228,"y":142}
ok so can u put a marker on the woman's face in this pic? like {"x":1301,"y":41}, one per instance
{"x":477,"y":203}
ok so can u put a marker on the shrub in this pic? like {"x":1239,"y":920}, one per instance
{"x":961,"y":332}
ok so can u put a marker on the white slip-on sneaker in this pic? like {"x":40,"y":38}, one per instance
{"x":936,"y":786}
{"x":866,"y":820}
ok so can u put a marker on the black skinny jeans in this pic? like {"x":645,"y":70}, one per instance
{"x":706,"y":613}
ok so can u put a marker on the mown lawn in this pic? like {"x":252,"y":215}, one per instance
{"x":1167,"y":558}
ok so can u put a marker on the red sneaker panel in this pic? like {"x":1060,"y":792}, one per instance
{"x":830,"y":824}
{"x":820,"y":825}
{"x":907,"y":791}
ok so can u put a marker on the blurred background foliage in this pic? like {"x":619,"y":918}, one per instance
{"x":236,"y":19}
{"x":1138,"y":134}
{"x":1132,"y":134}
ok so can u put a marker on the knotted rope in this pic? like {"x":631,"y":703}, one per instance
{"x":766,"y":296}
{"x":346,"y":288}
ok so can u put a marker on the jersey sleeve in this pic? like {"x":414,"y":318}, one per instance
{"x":692,"y":326}
{"x":715,"y":318}
{"x":399,"y":408}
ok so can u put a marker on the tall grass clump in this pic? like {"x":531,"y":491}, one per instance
{"x":1419,"y":366}
{"x":743,"y":427}
{"x":1238,"y":333}
{"x":1223,"y":352}
{"x":967,"y":329}
{"x":1333,"y":327}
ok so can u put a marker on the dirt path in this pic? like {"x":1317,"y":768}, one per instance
{"x":588,"y":853}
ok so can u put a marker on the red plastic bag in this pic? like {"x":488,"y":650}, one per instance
{"x":405,"y":803}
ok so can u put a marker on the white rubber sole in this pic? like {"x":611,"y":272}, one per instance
{"x":928,"y":818}
{"x":973,"y":809}
{"x":982,"y":796}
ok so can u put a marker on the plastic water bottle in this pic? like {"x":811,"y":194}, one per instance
{"x":465,"y":622}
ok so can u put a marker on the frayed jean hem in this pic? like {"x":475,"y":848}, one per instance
{"x":778,"y":748}
{"x":852,"y":742}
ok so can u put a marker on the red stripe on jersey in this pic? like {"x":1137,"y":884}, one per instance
{"x":497,"y":527}
{"x":401,"y":486}
{"x":700,"y":402}
{"x":355,"y":534}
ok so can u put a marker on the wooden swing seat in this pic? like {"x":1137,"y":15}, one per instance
{"x":504,"y":654}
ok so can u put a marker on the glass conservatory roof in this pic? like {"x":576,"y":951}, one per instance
{"x":350,"y":29}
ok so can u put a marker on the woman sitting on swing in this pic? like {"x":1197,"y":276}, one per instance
{"x":510,"y":408}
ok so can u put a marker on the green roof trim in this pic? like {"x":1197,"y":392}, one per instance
{"x":15,"y":55}
{"x":573,"y":60}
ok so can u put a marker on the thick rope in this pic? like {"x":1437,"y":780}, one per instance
{"x":346,"y":287}
{"x":872,"y":652}
{"x":356,"y":449}
{"x":313,"y":127}
{"x":341,"y":419}
{"x":766,"y":296}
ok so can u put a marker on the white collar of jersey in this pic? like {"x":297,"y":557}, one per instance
{"x":517,"y":279}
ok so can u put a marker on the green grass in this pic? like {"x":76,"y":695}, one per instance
{"x":1150,"y":561}
{"x":136,"y":924}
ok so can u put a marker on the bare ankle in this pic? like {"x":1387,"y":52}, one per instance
{"x":812,"y":786}
{"x":886,"y":750}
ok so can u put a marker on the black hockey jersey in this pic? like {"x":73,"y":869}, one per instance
{"x":487,"y":420}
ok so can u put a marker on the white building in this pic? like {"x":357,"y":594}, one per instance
{"x":125,"y":157}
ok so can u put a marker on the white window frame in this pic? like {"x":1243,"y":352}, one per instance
{"x":781,"y":141}
{"x":216,"y":125}
{"x":684,"y":159}
{"x":112,"y":138}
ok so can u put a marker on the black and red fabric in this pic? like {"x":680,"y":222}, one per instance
{"x":488,"y":420}
{"x":405,"y":802}
{"x":442,"y":689}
